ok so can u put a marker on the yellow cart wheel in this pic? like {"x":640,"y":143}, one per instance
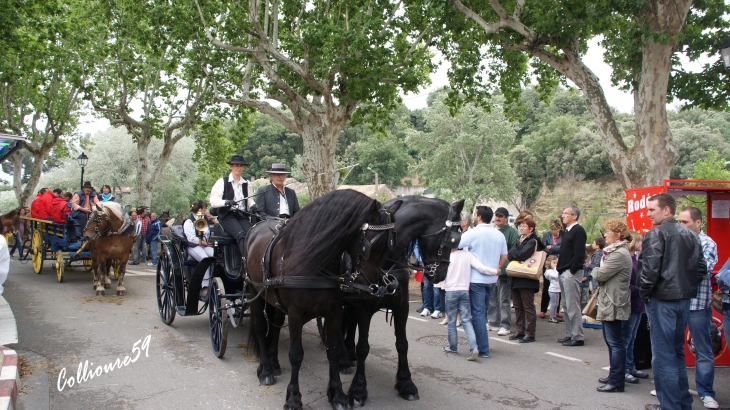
{"x":59,"y":266}
{"x":36,"y":251}
{"x":87,"y":265}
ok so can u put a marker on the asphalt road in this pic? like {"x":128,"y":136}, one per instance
{"x":61,"y":325}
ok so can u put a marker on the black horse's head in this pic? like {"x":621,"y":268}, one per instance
{"x":435,"y":224}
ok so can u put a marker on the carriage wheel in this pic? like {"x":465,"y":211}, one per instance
{"x":218,"y":317}
{"x":87,"y":265}
{"x":115,"y":266}
{"x":165,"y":290}
{"x":59,"y":266}
{"x":36,"y":251}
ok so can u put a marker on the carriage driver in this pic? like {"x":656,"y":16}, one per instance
{"x":81,"y":204}
{"x":276,"y":199}
{"x":229,"y":200}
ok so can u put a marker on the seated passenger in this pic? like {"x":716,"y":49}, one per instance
{"x":198,"y":248}
{"x":230,"y":200}
{"x":106,"y":194}
{"x":276,"y":199}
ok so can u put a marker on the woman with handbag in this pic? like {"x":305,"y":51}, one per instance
{"x":524,"y":289}
{"x":614,"y":301}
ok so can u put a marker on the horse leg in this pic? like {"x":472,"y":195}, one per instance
{"x":107,"y":281}
{"x":257,"y":333}
{"x":358,"y":393}
{"x":100,"y":283}
{"x":296,"y":355}
{"x":272,"y":340}
{"x":95,"y":269}
{"x":349,"y":324}
{"x":333,"y":327}
{"x":120,"y":284}
{"x":405,"y":386}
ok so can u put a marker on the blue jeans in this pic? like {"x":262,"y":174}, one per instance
{"x":629,"y":330}
{"x":613,"y":335}
{"x":668,"y":319}
{"x":699,"y":326}
{"x":458,"y":300}
{"x":430,"y":295}
{"x":17,"y":245}
{"x":153,"y":251}
{"x":479,"y":295}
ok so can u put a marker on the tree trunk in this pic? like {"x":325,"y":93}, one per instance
{"x":144,"y":193}
{"x":319,"y":136}
{"x":17,"y":160}
{"x":35,"y":176}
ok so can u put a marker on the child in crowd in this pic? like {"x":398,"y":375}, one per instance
{"x":457,"y":298}
{"x":551,"y":275}
{"x":597,"y":245}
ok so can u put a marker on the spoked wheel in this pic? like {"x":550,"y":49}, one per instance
{"x":36,"y":251}
{"x":87,"y":265}
{"x":165,"y":290}
{"x":235,"y":313}
{"x":218,"y":317}
{"x":60,"y":263}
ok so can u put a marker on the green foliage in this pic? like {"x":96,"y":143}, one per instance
{"x":528,"y":173}
{"x":711,"y":168}
{"x":269,"y":142}
{"x":694,"y":141}
{"x":465,"y":157}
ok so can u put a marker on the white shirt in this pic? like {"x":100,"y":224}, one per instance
{"x":4,"y":262}
{"x":571,"y":225}
{"x":137,"y":227}
{"x":554,"y":277}
{"x":191,"y":235}
{"x":459,"y":273}
{"x":216,"y":193}
{"x":283,"y":204}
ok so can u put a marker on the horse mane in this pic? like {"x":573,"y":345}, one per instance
{"x":115,"y":208}
{"x":319,"y":233}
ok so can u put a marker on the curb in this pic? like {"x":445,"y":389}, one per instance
{"x":9,"y":379}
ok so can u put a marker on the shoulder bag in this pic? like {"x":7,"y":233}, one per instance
{"x":529,"y":269}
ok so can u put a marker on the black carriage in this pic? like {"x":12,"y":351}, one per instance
{"x":178,"y":284}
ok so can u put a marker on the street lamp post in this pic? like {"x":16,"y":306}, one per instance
{"x":725,"y":53}
{"x":82,"y":161}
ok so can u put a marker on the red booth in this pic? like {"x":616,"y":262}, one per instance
{"x":717,"y":221}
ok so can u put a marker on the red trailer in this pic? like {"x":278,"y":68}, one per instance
{"x":717,"y":221}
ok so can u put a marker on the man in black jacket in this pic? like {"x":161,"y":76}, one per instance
{"x":570,"y":266}
{"x":275,"y":199}
{"x":670,"y":267}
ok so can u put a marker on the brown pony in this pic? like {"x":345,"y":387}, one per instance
{"x":110,"y":233}
{"x":10,"y":221}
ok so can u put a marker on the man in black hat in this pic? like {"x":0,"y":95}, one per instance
{"x":81,"y":204}
{"x":275,"y":199}
{"x":230,"y":202}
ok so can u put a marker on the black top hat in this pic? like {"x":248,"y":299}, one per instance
{"x":87,"y":184}
{"x":237,"y":159}
{"x":278,"y":169}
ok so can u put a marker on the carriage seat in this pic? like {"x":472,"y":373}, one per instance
{"x":178,"y":238}
{"x":217,"y":234}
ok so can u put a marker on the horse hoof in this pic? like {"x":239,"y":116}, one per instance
{"x":100,"y":293}
{"x":357,"y":403}
{"x":410,"y":397}
{"x":277,"y":371}
{"x":120,"y":293}
{"x":267,"y":380}
{"x":338,"y":406}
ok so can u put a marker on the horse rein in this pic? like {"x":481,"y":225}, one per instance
{"x":431,"y":265}
{"x":97,"y":217}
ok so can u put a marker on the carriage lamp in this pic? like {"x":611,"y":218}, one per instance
{"x":725,"y":53}
{"x":82,"y":160}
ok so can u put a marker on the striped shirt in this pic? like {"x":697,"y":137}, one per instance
{"x":704,"y":289}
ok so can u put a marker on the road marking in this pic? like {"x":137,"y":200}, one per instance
{"x":564,"y":357}
{"x":417,"y":318}
{"x":141,"y":273}
{"x":503,"y":341}
{"x":606,"y":368}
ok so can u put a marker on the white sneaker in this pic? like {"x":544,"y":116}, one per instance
{"x":709,"y":402}
{"x":490,"y":328}
{"x":503,"y":332}
{"x":653,"y":393}
{"x":425,"y":312}
{"x":437,"y":314}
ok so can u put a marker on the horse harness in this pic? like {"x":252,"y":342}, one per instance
{"x":345,"y":280}
{"x":452,"y":236}
{"x":97,"y":216}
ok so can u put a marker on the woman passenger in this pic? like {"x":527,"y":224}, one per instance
{"x":198,"y":247}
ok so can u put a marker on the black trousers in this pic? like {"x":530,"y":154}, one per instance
{"x":81,"y":219}
{"x":236,"y":225}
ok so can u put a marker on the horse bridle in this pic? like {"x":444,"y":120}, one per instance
{"x":431,"y":265}
{"x":97,"y":216}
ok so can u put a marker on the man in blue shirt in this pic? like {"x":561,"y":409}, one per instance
{"x":490,"y":248}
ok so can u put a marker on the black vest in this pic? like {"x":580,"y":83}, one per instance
{"x":229,"y":195}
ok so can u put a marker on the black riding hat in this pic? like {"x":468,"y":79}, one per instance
{"x":278,"y":169}
{"x":238,"y":160}
{"x":87,"y":184}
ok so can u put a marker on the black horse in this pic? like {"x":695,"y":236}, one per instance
{"x":303,"y":278}
{"x":433,"y":222}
